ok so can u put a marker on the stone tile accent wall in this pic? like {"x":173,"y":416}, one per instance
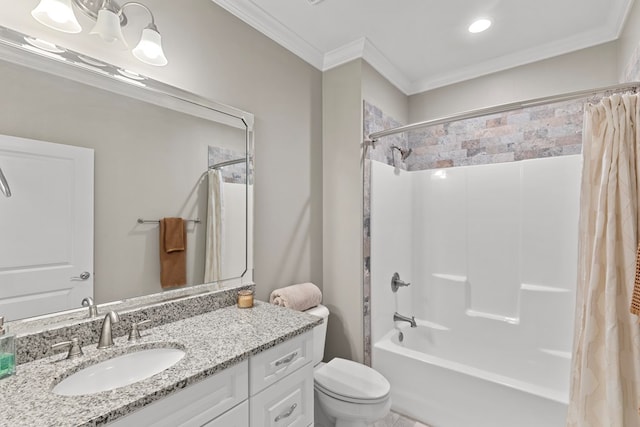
{"x":530,"y":133}
{"x":235,"y":174}
{"x":374,"y":121}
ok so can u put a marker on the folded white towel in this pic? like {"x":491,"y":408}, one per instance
{"x":297,"y":297}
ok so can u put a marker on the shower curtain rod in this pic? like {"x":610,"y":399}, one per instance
{"x":373,"y":137}
{"x":227,"y":163}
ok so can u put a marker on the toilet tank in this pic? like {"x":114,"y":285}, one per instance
{"x":319,"y":332}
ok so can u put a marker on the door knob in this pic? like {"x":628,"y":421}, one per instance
{"x":83,"y":276}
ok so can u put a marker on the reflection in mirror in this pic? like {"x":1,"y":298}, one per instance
{"x":139,"y":160}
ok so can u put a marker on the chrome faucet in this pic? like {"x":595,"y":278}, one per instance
{"x":93,"y":309}
{"x":106,"y":335}
{"x":399,"y":317}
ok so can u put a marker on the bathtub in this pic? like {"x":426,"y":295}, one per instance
{"x":435,"y":381}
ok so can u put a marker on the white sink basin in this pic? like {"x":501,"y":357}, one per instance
{"x":119,"y":371}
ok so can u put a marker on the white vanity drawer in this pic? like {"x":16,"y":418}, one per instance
{"x":289,"y":402}
{"x":197,"y":404}
{"x":236,"y":417}
{"x":269,"y":366}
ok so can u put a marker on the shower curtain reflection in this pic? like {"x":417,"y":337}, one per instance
{"x":215,"y":221}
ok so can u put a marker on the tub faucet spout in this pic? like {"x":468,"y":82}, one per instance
{"x":400,"y":317}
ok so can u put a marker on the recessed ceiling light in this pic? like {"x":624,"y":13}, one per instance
{"x":479,"y":25}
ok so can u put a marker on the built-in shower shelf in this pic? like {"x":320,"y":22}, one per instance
{"x":557,"y":353}
{"x":541,"y":288}
{"x":491,"y":316}
{"x":451,"y":277}
{"x":431,"y":325}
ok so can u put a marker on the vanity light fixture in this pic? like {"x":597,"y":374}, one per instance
{"x":57,"y":14}
{"x":109,"y":17}
{"x":479,"y":25}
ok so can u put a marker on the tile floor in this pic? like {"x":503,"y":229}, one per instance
{"x":397,"y":420}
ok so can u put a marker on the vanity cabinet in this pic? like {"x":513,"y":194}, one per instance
{"x":196,"y":405}
{"x":289,"y":402}
{"x":235,"y":417}
{"x":273,"y":388}
{"x":281,"y":384}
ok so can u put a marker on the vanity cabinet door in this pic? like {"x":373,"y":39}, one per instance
{"x":197,"y":404}
{"x":236,"y":417}
{"x":271,"y":365}
{"x":288,"y":402}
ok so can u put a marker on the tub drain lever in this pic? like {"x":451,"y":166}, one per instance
{"x":396,"y":282}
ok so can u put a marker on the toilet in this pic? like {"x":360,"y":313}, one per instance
{"x":346,"y":393}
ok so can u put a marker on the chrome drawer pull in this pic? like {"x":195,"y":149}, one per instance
{"x":286,"y":414}
{"x":287,"y":359}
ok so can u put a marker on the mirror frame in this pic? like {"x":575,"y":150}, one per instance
{"x":72,"y":66}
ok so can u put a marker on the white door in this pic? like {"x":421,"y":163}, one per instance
{"x":46,"y":227}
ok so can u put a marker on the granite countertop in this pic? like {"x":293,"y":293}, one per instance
{"x":212,"y":341}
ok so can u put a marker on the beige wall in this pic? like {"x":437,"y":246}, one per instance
{"x":584,"y":69}
{"x":377,"y":90}
{"x":222,"y":58}
{"x":217,"y":56}
{"x":342,"y":209}
{"x":344,"y":89}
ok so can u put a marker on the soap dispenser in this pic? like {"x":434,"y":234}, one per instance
{"x":7,"y":352}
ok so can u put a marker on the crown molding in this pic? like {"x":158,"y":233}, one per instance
{"x":344,"y":54}
{"x":381,"y":63}
{"x":257,"y":18}
{"x":362,"y":48}
{"x":618,"y":19}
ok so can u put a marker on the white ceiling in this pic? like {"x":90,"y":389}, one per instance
{"x":423,"y":44}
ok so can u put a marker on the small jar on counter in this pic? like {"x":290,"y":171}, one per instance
{"x":245,"y":298}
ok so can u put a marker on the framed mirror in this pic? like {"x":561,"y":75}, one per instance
{"x":155,"y":151}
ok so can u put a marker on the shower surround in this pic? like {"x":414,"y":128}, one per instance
{"x":482,"y":220}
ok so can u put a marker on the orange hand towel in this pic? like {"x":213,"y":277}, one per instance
{"x":173,"y":252}
{"x":635,"y":300}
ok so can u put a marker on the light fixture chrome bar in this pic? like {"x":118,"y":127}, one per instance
{"x":227,"y":163}
{"x":157,"y":221}
{"x":4,"y":185}
{"x":92,"y":7}
{"x":373,"y":137}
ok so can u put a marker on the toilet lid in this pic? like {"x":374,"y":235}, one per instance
{"x":351,"y":381}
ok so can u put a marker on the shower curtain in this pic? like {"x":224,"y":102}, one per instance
{"x":605,"y":377}
{"x":215,"y":220}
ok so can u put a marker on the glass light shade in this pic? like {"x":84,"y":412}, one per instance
{"x":108,"y":28}
{"x":57,"y":14}
{"x":149,"y":50}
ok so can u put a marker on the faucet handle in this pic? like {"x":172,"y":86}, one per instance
{"x":396,"y":282}
{"x":74,"y":347}
{"x":134,"y":334}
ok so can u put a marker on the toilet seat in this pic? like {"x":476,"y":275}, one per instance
{"x":351,"y":382}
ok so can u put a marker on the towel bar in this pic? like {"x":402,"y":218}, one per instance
{"x":157,"y":221}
